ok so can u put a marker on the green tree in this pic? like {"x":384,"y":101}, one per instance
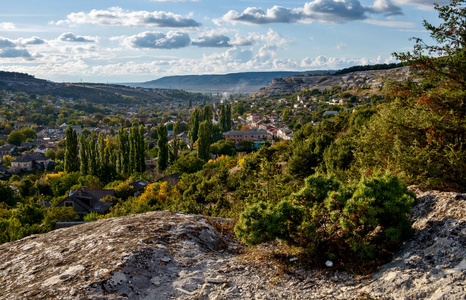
{"x":7,"y":195}
{"x":421,"y":132}
{"x":175,"y":144}
{"x":71,"y":151}
{"x":194,"y":126}
{"x":203,"y":146}
{"x":16,"y":138}
{"x":83,"y":155}
{"x":162,"y":144}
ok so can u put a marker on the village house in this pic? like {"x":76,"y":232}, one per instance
{"x":85,"y":201}
{"x":30,"y":162}
{"x":239,"y":136}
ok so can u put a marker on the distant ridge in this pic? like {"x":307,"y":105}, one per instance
{"x":246,"y":82}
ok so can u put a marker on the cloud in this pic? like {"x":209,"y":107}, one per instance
{"x":32,"y":41}
{"x":116,"y":16}
{"x":422,"y":4}
{"x":326,"y":11}
{"x":212,"y":40}
{"x":386,"y":7}
{"x":7,"y":25}
{"x":341,"y":46}
{"x":241,"y":40}
{"x":6,"y":43}
{"x":70,"y":37}
{"x":15,"y":53}
{"x":159,"y":40}
{"x":391,"y":23}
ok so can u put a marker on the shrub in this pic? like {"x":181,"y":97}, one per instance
{"x":361,"y":223}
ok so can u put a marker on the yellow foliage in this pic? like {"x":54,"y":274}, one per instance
{"x":52,"y":177}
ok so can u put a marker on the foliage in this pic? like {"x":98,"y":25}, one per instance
{"x":162,"y":144}
{"x":349,"y":223}
{"x":7,"y":195}
{"x":71,"y":151}
{"x":421,"y":132}
{"x":187,"y":163}
{"x":59,"y":214}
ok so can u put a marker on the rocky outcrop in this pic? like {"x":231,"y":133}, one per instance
{"x":168,"y":255}
{"x":362,"y":79}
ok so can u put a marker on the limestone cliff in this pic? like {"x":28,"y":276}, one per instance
{"x":369,"y":79}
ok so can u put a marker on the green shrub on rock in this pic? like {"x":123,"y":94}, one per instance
{"x":329,"y":220}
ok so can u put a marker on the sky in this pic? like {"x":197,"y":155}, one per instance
{"x":140,"y":40}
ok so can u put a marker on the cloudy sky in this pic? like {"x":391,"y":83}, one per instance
{"x":139,"y":40}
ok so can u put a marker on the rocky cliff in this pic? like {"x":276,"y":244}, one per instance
{"x":361,"y":79}
{"x":167,"y":255}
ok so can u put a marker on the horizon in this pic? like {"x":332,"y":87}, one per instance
{"x":114,"y":41}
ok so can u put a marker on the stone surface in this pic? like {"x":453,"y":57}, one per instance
{"x":373,"y":79}
{"x":167,"y":255}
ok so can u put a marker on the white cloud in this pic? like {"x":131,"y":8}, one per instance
{"x":386,"y":7}
{"x":341,"y":46}
{"x":158,"y":40}
{"x":116,"y":16}
{"x":241,"y":40}
{"x":31,"y":41}
{"x":212,"y":39}
{"x":6,"y":43}
{"x":70,"y":37}
{"x":7,"y":26}
{"x":16,"y":53}
{"x":326,"y":11}
{"x":390,"y":23}
{"x":422,"y":4}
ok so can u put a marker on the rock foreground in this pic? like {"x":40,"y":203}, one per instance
{"x":167,"y":255}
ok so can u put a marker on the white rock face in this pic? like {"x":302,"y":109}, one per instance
{"x":373,"y":79}
{"x":167,"y":255}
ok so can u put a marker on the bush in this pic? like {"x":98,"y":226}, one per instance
{"x":359,"y":224}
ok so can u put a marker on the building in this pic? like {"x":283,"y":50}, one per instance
{"x":239,"y":136}
{"x":30,"y":162}
{"x":85,"y":201}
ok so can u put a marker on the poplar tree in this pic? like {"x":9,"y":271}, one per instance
{"x":123,"y":152}
{"x":162,"y":144}
{"x":203,"y":143}
{"x":83,"y":155}
{"x":141,"y":150}
{"x":176,"y":128}
{"x":194,"y":126}
{"x":93,"y":153}
{"x":71,"y":151}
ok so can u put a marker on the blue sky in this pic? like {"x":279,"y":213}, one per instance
{"x":139,"y":40}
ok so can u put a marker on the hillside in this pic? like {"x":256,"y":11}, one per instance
{"x":168,"y":255}
{"x":92,"y":92}
{"x":370,"y":79}
{"x":246,"y":82}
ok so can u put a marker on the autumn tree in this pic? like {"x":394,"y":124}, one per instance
{"x":420,"y":134}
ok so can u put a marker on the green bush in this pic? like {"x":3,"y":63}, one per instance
{"x":365,"y":222}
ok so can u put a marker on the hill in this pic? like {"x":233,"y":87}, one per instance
{"x":246,"y":82}
{"x":366,"y":79}
{"x":92,"y":92}
{"x":168,"y":255}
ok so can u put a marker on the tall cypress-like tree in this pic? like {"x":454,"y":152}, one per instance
{"x":194,"y":126}
{"x":162,"y":144}
{"x":228,"y":117}
{"x":93,"y":155}
{"x":123,"y":152}
{"x":203,"y":143}
{"x":71,"y":151}
{"x":133,"y":141}
{"x":141,"y":151}
{"x":176,"y":128}
{"x":84,"y":155}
